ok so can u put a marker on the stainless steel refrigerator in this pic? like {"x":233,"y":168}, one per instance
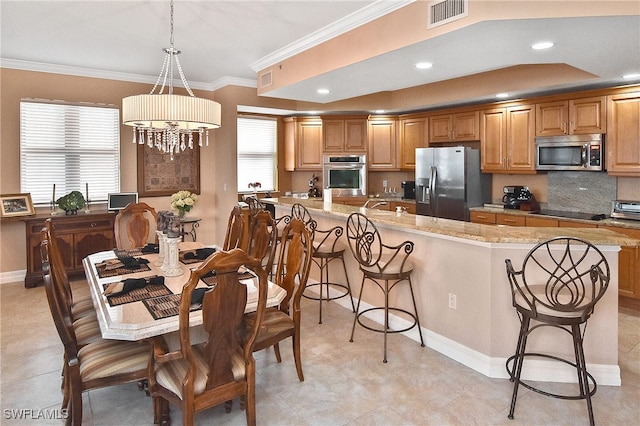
{"x":449,"y":182}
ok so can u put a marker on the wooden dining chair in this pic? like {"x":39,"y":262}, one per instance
{"x":139,"y":222}
{"x":79,"y":307}
{"x":263,"y":239}
{"x":222,"y":367}
{"x":235,"y":229}
{"x":97,"y":364}
{"x":294,"y":262}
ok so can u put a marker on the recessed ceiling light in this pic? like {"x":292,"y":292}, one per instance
{"x":630,"y":76}
{"x":502,"y":95}
{"x":379,"y":111}
{"x":424,"y":65}
{"x":542,"y":45}
{"x":323,"y":91}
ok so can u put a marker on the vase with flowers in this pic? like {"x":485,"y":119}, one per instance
{"x":183,"y":202}
{"x":254,"y":186}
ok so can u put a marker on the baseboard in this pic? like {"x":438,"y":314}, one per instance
{"x":534,"y":369}
{"x":12,"y":276}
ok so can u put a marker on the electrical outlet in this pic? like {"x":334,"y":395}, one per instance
{"x":452,"y":301}
{"x":384,"y":183}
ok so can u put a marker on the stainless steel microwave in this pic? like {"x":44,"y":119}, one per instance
{"x":570,"y":152}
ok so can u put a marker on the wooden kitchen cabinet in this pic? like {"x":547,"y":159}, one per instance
{"x":303,"y":144}
{"x":572,"y":117}
{"x":510,"y":219}
{"x":507,"y":138}
{"x":382,"y":143}
{"x":344,"y":134}
{"x":623,"y":135}
{"x":413,"y":134}
{"x":464,"y":126}
{"x":482,"y":217}
{"x":628,"y":264}
{"x":77,"y":235}
{"x":537,"y":221}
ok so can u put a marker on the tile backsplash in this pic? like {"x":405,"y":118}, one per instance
{"x":589,"y":192}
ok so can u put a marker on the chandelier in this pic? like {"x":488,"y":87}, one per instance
{"x":169,"y":121}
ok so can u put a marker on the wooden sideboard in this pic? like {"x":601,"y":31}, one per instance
{"x":78,"y":236}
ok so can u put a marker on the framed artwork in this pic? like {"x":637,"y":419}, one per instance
{"x":12,"y":205}
{"x":159,"y":175}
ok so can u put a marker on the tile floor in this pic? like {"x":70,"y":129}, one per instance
{"x":345,"y":383}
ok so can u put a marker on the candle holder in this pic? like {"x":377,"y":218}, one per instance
{"x":54,"y":210}
{"x":172,"y":268}
{"x":162,"y":244}
{"x":87,"y":206}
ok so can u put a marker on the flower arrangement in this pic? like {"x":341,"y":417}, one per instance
{"x":255,"y":186}
{"x":183,"y":201}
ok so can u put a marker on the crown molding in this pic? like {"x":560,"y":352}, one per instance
{"x":348,"y":23}
{"x":120,"y":76}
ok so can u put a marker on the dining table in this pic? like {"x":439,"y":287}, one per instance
{"x":153,"y":309}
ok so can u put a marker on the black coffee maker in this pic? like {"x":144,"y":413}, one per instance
{"x":409,"y":189}
{"x":515,"y":196}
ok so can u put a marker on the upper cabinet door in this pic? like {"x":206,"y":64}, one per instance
{"x":344,"y":135}
{"x":303,"y":144}
{"x":623,"y":136}
{"x":463,"y":126}
{"x":493,"y":140}
{"x":413,"y":134}
{"x":572,"y":117}
{"x":383,"y":146}
{"x":521,"y":139}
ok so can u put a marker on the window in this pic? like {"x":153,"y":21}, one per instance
{"x":257,"y":141}
{"x":72,"y":146}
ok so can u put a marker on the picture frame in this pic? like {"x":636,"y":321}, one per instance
{"x":159,"y":175}
{"x":14,"y":205}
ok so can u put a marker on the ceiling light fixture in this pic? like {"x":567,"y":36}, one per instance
{"x":323,"y":91}
{"x":168,"y":121}
{"x":424,"y":65}
{"x":502,"y":95}
{"x":542,"y":45}
{"x":631,"y":76}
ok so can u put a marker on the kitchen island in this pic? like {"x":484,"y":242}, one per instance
{"x":463,"y":294}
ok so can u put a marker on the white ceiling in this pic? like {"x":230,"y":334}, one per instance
{"x":222,"y":41}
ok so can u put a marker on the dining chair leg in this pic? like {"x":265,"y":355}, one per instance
{"x":295,"y":341}
{"x":276,"y":349}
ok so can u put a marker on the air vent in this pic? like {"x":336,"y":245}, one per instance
{"x":266,"y":79}
{"x":444,"y":11}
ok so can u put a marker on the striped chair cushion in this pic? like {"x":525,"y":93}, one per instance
{"x":87,"y":330}
{"x":169,"y":375}
{"x":105,"y":358}
{"x":83,"y":308}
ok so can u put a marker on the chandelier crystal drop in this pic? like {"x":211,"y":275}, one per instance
{"x":168,"y":121}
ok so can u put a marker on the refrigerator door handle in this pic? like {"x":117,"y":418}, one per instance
{"x":432,"y":187}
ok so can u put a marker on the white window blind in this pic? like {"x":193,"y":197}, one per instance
{"x":257,"y":159}
{"x":71,"y":146}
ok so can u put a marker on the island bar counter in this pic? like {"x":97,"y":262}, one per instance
{"x":465,"y":261}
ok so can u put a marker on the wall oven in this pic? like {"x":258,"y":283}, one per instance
{"x":571,"y":152}
{"x":345,"y":175}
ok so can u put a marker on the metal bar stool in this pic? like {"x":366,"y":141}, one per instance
{"x":558,"y":286}
{"x":381,"y":262}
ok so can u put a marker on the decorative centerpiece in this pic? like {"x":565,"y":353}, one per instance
{"x":72,"y":202}
{"x":183,"y":201}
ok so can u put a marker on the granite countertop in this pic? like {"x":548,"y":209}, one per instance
{"x":459,"y":229}
{"x":622,"y":223}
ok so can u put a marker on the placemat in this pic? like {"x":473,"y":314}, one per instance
{"x":135,"y":252}
{"x":105,"y":273}
{"x":148,"y":292}
{"x":165,"y":306}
